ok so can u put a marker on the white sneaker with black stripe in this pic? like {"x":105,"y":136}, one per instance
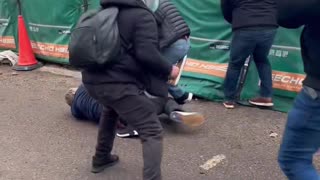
{"x":127,"y":132}
{"x":187,"y":97}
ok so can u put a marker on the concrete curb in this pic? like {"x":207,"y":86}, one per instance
{"x":61,"y":71}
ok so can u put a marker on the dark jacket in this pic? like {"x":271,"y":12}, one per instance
{"x":249,"y":13}
{"x":295,"y":13}
{"x":84,"y":107}
{"x":172,"y":26}
{"x":143,"y":65}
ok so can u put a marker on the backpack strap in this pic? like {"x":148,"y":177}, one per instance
{"x":124,"y":43}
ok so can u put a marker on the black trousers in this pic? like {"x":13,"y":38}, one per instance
{"x":127,"y":102}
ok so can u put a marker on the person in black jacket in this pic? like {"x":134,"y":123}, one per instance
{"x":301,"y":138}
{"x":254,"y":27}
{"x":174,"y":41}
{"x":120,"y":87}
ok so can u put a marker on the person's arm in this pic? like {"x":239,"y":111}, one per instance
{"x":146,"y":44}
{"x":227,"y":8}
{"x":295,"y":13}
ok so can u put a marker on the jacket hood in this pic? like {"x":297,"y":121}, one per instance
{"x":123,"y":3}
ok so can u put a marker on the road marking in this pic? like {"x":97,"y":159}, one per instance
{"x":213,"y":162}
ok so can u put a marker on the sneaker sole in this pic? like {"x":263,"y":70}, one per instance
{"x":228,"y":106}
{"x":191,"y":120}
{"x":261,"y":104}
{"x":128,"y":135}
{"x":102,"y":168}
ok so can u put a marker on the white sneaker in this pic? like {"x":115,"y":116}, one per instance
{"x":191,"y":119}
{"x":187,"y":97}
{"x":127,"y":132}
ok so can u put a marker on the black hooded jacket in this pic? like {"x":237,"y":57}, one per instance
{"x":143,"y":65}
{"x":296,"y":13}
{"x":250,"y":13}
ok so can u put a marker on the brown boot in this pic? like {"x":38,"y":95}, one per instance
{"x":261,"y":101}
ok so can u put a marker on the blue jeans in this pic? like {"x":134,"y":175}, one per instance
{"x":301,"y":137}
{"x":175,"y":53}
{"x":255,"y":43}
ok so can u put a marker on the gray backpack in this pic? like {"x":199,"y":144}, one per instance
{"x":95,"y":42}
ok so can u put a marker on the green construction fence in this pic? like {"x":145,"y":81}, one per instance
{"x":49,"y":25}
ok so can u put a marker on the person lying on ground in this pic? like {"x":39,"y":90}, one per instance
{"x":84,"y":107}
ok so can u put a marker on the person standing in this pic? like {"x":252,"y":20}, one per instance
{"x":254,"y":26}
{"x":301,"y":139}
{"x":120,"y":87}
{"x":174,"y":41}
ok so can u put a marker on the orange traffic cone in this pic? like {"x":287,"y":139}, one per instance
{"x":27,"y":60}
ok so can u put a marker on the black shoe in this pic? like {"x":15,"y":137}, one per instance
{"x":127,"y":132}
{"x":99,"y":165}
{"x":187,"y":97}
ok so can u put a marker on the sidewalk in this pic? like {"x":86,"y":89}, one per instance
{"x":40,"y":140}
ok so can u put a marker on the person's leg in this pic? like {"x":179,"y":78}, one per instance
{"x":242,"y":45}
{"x":175,"y":91}
{"x":128,"y":131}
{"x":103,"y":158}
{"x":260,"y":56}
{"x":171,"y":106}
{"x":159,"y":103}
{"x":141,"y":114}
{"x":132,"y":105}
{"x":175,"y":53}
{"x":301,"y":137}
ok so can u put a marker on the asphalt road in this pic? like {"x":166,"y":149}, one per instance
{"x":39,"y":140}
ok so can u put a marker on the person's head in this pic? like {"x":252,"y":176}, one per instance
{"x":69,"y":96}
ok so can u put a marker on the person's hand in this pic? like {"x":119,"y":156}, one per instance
{"x":174,"y":72}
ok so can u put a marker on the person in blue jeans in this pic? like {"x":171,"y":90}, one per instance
{"x":175,"y":53}
{"x":301,"y":138}
{"x":254,"y":27}
{"x":174,"y":41}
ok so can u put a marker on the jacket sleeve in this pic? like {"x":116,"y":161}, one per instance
{"x":295,"y":13}
{"x":145,"y":43}
{"x":227,"y":8}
